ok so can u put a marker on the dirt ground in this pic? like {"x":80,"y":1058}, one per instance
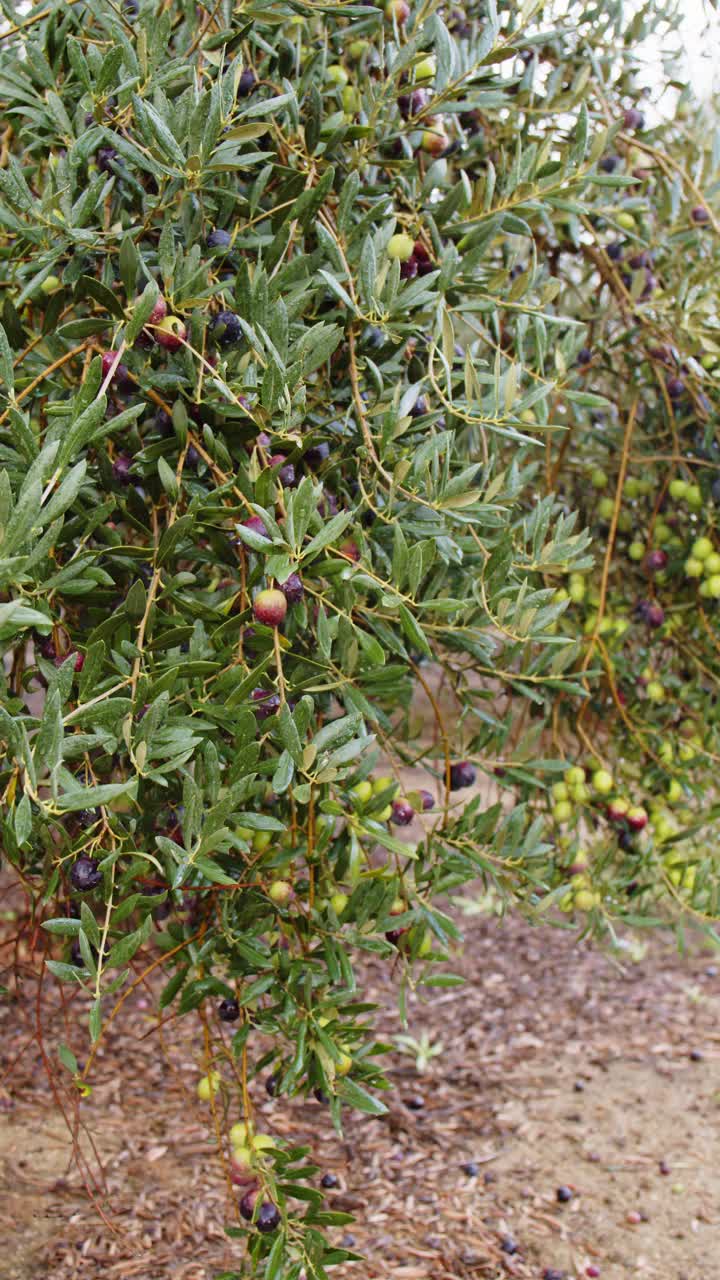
{"x":558,"y":1068}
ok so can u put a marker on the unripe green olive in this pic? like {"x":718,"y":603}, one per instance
{"x":426,"y":68}
{"x":701,"y":549}
{"x":655,"y":691}
{"x":401,"y":246}
{"x":336,"y":74}
{"x":574,"y":775}
{"x":694,"y":496}
{"x":350,"y":99}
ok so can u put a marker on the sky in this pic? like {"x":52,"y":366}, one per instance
{"x":700,"y":48}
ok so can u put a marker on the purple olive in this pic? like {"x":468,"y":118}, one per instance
{"x":226,"y":329}
{"x":656,"y":560}
{"x":121,"y":468}
{"x":293,"y":589}
{"x":247,"y":82}
{"x":219,"y":239}
{"x":268,"y":1217}
{"x":633,"y":119}
{"x":402,"y":813}
{"x":265,"y":703}
{"x":85,"y":874}
{"x":462,"y":774}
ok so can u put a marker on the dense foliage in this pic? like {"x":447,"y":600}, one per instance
{"x":321,"y":324}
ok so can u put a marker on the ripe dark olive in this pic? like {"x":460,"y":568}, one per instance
{"x":286,"y":474}
{"x":675,"y":388}
{"x":471,"y":1168}
{"x":265,"y":703}
{"x":247,"y":1204}
{"x":411,"y":104}
{"x":423,"y":259}
{"x":393,"y":936}
{"x":662,"y":353}
{"x":614,"y":252}
{"x":85,"y":874}
{"x":247,"y":82}
{"x":268,"y":1217}
{"x":257,"y":525}
{"x":462,"y":774}
{"x":654,"y":614}
{"x":271,"y":1085}
{"x":656,"y":560}
{"x":219,"y":239}
{"x":228,"y":1010}
{"x":46,"y":648}
{"x":293,"y":589}
{"x":700,"y":214}
{"x":317,"y":454}
{"x":320,"y":1096}
{"x":123,"y":379}
{"x":584,"y":355}
{"x":633,"y":119}
{"x":104,"y":159}
{"x":226,"y":329}
{"x":402,"y":813}
{"x":609,"y":164}
{"x":328,"y":1180}
{"x":108,"y":361}
{"x":508,"y":1245}
{"x":428,"y":800}
{"x":87,"y":817}
{"x":563,"y":1194}
{"x":639,"y":260}
{"x":121,"y":468}
{"x":409,"y":269}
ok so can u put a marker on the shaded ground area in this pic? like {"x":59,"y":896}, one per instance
{"x":558,"y":1069}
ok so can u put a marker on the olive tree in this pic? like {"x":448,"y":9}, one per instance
{"x":320,"y":326}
